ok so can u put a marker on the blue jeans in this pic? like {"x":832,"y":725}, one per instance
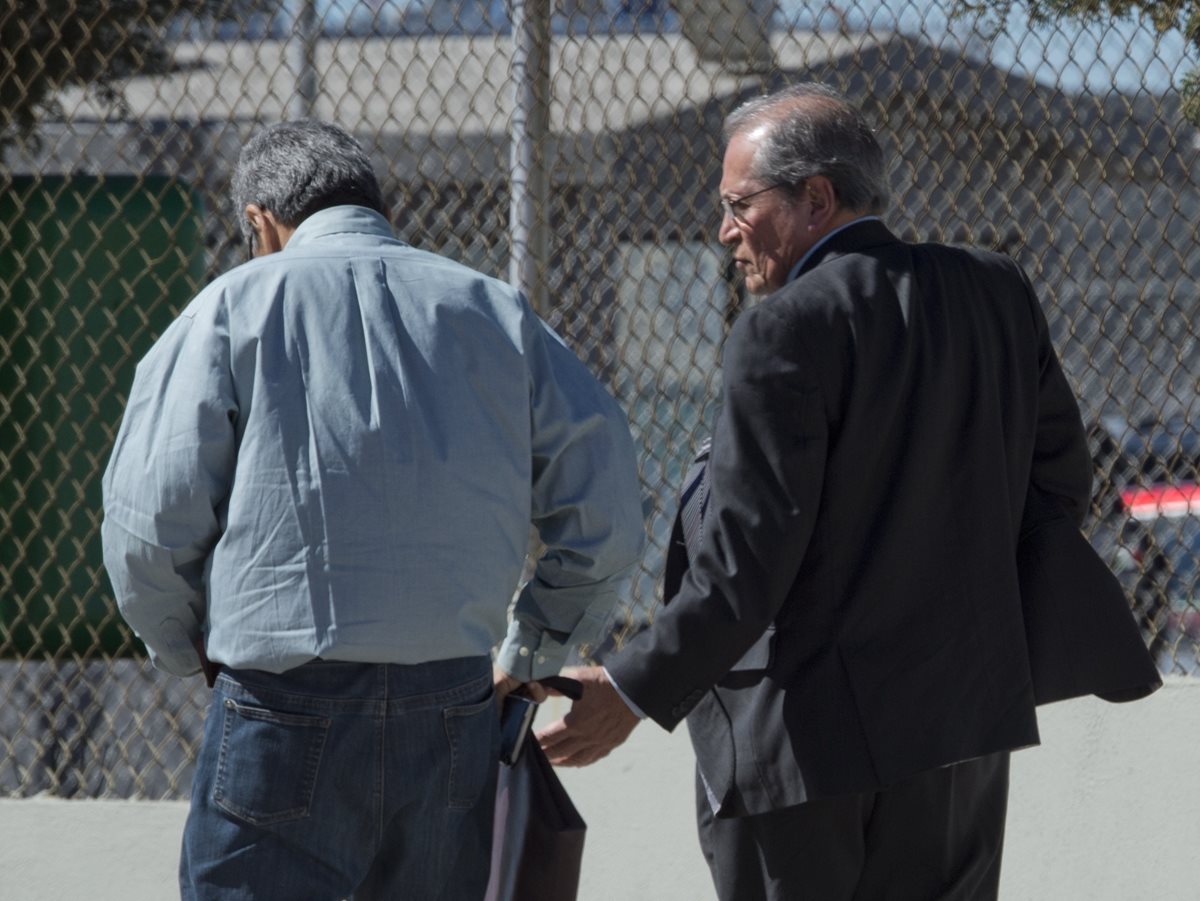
{"x":336,"y":780}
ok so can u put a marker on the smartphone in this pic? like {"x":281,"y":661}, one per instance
{"x":515,"y":719}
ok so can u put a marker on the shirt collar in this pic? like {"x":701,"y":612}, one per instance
{"x":340,"y":220}
{"x":795,"y":270}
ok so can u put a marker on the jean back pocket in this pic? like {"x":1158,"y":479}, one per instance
{"x":267,"y":770}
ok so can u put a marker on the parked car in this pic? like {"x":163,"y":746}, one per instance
{"x":1158,"y":559}
{"x":1149,"y":502}
{"x":1152,"y":451}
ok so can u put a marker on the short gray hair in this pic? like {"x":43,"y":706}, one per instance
{"x":814,"y":130}
{"x":294,"y":169}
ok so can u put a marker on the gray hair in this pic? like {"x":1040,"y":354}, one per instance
{"x":814,"y":130}
{"x":294,"y":169}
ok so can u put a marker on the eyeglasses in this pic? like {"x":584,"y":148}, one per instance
{"x":735,"y":208}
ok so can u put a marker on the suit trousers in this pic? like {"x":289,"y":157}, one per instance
{"x":937,"y":836}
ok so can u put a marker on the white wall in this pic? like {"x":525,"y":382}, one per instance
{"x":1105,"y":810}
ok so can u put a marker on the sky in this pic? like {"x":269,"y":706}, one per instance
{"x":1124,"y":54}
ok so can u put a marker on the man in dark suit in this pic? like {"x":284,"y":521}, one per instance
{"x":847,"y":644}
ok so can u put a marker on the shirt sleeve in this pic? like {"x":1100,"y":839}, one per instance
{"x":166,"y":485}
{"x":586,"y":506}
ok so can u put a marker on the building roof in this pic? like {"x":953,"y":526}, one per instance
{"x":448,"y":85}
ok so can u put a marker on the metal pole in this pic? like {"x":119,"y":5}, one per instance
{"x":302,"y":51}
{"x":529,"y":225}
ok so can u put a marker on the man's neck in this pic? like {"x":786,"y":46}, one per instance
{"x":844,"y":221}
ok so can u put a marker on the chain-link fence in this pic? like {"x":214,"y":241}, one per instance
{"x":590,"y":131}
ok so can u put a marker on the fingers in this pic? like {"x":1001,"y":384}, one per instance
{"x":568,"y":748}
{"x":596,"y":724}
{"x":537,"y":692}
{"x":585,"y":674}
{"x":503,"y":684}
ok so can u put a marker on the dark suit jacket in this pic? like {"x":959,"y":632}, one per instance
{"x":1079,"y":627}
{"x":883,"y":417}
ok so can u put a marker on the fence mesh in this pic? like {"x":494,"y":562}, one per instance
{"x":120,"y":122}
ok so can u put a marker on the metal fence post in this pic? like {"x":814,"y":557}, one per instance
{"x":302,"y":50}
{"x":529,"y":228}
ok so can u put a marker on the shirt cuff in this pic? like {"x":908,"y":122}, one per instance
{"x":527,"y":654}
{"x":624,"y":697}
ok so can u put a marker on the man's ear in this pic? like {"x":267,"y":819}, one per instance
{"x":269,"y":235}
{"x":819,"y":193}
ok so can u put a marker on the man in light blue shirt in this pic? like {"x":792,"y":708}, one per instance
{"x":324,"y":484}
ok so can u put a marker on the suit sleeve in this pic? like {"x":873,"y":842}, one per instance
{"x":1062,"y":463}
{"x":766,"y":473}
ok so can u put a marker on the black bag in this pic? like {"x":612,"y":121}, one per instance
{"x":537,"y":843}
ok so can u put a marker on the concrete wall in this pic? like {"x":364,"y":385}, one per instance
{"x":1104,"y":810}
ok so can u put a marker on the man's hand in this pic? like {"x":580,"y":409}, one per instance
{"x":596,"y":723}
{"x":504,"y":684}
{"x":209,"y":669}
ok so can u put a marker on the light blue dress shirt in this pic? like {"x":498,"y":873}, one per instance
{"x":337,"y":451}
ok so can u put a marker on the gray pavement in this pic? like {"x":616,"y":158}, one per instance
{"x":641,"y":843}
